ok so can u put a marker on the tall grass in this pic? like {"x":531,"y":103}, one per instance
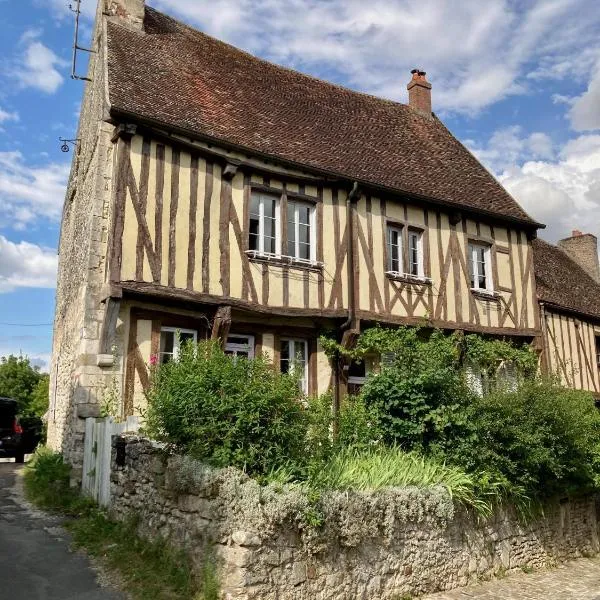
{"x":391,"y":467}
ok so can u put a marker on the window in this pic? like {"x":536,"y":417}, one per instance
{"x":405,"y":245}
{"x":240,"y":345}
{"x":300,"y":230}
{"x":480,"y":267}
{"x":171,"y":340}
{"x":415,"y":253}
{"x":395,"y":250}
{"x":264,"y":224}
{"x":294,"y":359}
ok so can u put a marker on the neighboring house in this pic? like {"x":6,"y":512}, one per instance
{"x":220,"y":196}
{"x":568,"y":287}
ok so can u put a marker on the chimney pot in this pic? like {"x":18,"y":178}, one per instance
{"x":419,"y":92}
{"x":576,"y":233}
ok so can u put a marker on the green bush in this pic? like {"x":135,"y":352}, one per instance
{"x":358,"y":427}
{"x":47,"y":483}
{"x":421,"y":396}
{"x":227,"y":412}
{"x":542,"y":439}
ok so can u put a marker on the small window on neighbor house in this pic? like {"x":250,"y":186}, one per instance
{"x":480,"y":267}
{"x":171,"y":341}
{"x":394,"y":248}
{"x":263,"y":235}
{"x":294,"y":359}
{"x":301,"y":230}
{"x":240,"y":345}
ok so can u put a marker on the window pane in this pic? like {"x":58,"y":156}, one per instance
{"x":284,"y":362}
{"x":167,"y":341}
{"x":304,"y":234}
{"x":253,"y":238}
{"x":394,"y":250}
{"x":269,"y":204}
{"x":304,"y":213}
{"x":304,"y":251}
{"x":186,"y":337}
{"x":254,"y":200}
{"x":413,"y":250}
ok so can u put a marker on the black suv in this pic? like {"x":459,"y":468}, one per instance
{"x":18,"y":437}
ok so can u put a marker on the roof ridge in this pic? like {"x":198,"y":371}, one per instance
{"x":320,"y":80}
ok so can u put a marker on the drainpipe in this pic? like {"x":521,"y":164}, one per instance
{"x":351,"y":201}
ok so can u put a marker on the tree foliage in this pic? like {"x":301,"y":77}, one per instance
{"x":227,"y":412}
{"x":20,"y":380}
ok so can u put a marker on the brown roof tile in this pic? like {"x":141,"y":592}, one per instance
{"x":179,"y":77}
{"x":562,"y":282}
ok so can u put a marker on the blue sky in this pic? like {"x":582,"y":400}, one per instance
{"x":518,"y":81}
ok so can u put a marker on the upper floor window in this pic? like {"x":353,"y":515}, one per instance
{"x":480,"y":266}
{"x":171,"y":341}
{"x":294,"y":359}
{"x":264,"y":224}
{"x":395,"y":250}
{"x":240,"y":345}
{"x":301,"y":230}
{"x":415,"y":253}
{"x":405,"y":245}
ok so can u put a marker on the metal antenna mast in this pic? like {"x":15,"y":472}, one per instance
{"x":76,"y":46}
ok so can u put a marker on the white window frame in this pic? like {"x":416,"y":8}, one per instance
{"x":312,"y":222}
{"x":293,"y":342}
{"x":260,"y":251}
{"x":176,"y":340}
{"x":234,"y":348}
{"x":400,"y":232}
{"x":474,"y":263}
{"x":420,"y":269}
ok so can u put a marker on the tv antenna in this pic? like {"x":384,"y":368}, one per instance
{"x":76,"y":46}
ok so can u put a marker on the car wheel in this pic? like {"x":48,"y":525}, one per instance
{"x":20,"y":458}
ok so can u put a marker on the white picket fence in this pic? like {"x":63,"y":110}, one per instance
{"x":96,"y":455}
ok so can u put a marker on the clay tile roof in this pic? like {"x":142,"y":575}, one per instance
{"x":562,"y":282}
{"x":179,"y":77}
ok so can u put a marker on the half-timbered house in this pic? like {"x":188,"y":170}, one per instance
{"x":568,"y":288}
{"x":214,"y":194}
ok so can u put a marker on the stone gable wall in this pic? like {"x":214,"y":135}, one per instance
{"x":272,"y":543}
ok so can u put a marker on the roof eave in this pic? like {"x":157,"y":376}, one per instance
{"x":122,"y":114}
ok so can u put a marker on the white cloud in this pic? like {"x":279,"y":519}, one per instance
{"x":585,"y":111}
{"x":475,"y":53}
{"x":8,"y":116}
{"x":26,"y":265}
{"x":37,"y":66}
{"x":508,"y":147}
{"x":563,"y":193}
{"x":29,"y":192}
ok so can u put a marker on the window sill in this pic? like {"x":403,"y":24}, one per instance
{"x":284,"y":261}
{"x":407,"y":278}
{"x":485,"y":294}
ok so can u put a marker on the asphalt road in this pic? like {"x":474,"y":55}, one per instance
{"x":35,"y":557}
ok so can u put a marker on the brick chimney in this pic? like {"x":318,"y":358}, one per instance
{"x":129,"y":12}
{"x":583,"y":249}
{"x":419,"y":93}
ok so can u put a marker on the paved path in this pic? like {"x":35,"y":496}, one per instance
{"x":36,"y":562}
{"x":577,"y":580}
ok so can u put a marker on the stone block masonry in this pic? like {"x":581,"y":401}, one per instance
{"x":272,"y":542}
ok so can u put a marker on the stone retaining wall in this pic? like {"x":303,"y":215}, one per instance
{"x":273,"y":543}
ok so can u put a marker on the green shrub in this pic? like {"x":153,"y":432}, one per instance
{"x":358,"y":426}
{"x":227,"y":412}
{"x":542,"y":440}
{"x":47,"y":483}
{"x":420,"y":397}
